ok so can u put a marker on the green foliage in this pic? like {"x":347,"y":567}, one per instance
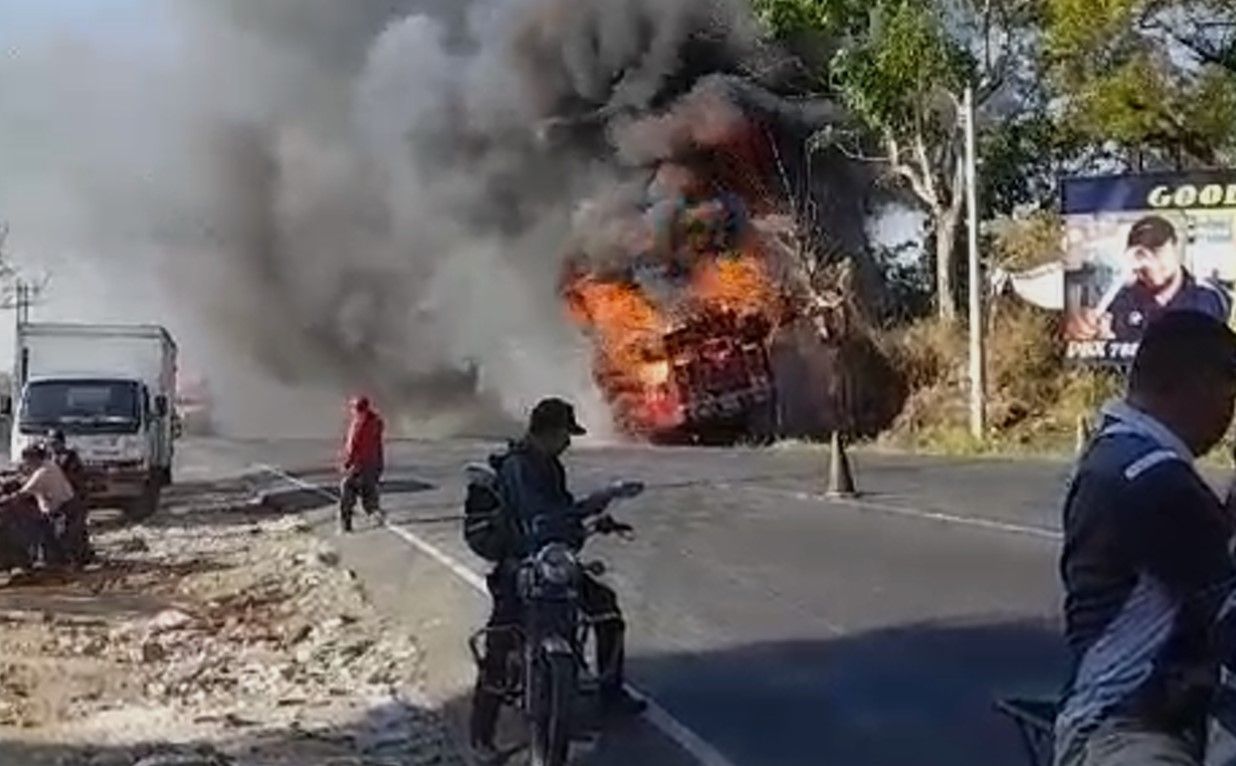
{"x":785,"y":19}
{"x":1028,"y":242}
{"x":1144,"y":74}
{"x":1018,"y":161}
{"x":891,"y":77}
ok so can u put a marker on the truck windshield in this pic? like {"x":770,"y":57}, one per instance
{"x":82,"y":406}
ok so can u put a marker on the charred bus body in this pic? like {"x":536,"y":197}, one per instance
{"x":723,"y":380}
{"x":708,"y":381}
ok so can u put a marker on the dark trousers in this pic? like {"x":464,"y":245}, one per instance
{"x":21,"y":534}
{"x":65,"y":539}
{"x":597,"y":600}
{"x":1126,"y":742}
{"x":75,"y":542}
{"x":362,"y":483}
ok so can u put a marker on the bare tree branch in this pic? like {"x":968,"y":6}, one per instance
{"x":925,"y":168}
{"x":904,"y":170}
{"x":959,"y":181}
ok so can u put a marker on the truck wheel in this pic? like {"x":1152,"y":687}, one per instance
{"x":145,"y":506}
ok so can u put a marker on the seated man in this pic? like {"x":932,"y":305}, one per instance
{"x":51,"y":490}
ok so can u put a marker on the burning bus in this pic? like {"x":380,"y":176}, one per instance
{"x":688,"y":280}
{"x":681,"y":335}
{"x":699,"y":374}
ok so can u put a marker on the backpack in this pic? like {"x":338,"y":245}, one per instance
{"x":489,"y":529}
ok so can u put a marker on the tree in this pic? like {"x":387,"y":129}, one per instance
{"x":11,"y":277}
{"x":901,"y":67}
{"x":1145,"y":83}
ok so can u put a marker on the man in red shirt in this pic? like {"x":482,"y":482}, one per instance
{"x":363,"y":463}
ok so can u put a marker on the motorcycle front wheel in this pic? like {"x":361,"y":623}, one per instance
{"x":553,"y":701}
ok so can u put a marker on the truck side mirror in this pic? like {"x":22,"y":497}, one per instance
{"x":6,"y":406}
{"x":160,"y":404}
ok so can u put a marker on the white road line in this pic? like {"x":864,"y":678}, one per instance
{"x":462,"y":571}
{"x":467,"y":575}
{"x":1044,"y":533}
{"x":671,"y":727}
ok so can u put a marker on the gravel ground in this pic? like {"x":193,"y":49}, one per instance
{"x":215,"y":634}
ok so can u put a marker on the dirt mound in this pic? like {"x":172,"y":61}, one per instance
{"x":215,"y":637}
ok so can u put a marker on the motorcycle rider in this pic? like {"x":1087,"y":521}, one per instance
{"x":533,"y":483}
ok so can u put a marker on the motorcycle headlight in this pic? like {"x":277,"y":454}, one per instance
{"x":556,"y":564}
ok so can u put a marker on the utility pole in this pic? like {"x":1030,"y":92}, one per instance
{"x":21,"y":313}
{"x":977,"y":395}
{"x":21,"y":301}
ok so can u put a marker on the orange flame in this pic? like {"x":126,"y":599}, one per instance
{"x":632,"y":364}
{"x":738,"y":284}
{"x":658,"y":357}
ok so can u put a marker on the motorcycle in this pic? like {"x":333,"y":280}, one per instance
{"x":548,"y":676}
{"x":20,"y":529}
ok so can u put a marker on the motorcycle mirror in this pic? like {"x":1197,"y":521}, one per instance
{"x":628,"y":489}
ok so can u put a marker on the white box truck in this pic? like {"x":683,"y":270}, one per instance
{"x":110,"y":389}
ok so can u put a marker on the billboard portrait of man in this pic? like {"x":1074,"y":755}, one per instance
{"x":1159,"y":282}
{"x":1155,"y":280}
{"x":1139,"y":245}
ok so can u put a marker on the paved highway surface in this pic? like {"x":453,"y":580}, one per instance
{"x":780,"y":627}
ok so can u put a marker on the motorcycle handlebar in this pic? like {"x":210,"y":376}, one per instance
{"x":608,"y":525}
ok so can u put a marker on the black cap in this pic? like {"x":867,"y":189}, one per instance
{"x":552,"y":414}
{"x":1152,"y":231}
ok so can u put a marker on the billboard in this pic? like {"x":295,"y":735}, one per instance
{"x":1139,"y":245}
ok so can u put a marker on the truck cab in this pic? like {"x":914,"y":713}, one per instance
{"x":113,"y":423}
{"x":118,"y":415}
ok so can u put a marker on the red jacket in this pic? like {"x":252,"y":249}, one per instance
{"x":363,"y":449}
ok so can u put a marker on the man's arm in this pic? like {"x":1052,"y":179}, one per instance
{"x":350,"y":445}
{"x":31,"y":486}
{"x":1182,"y":534}
{"x":1175,"y":528}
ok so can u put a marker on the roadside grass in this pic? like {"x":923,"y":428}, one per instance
{"x":1035,"y":398}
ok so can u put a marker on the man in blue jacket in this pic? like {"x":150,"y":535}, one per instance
{"x":1146,"y":565}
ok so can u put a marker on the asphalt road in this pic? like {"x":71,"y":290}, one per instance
{"x":782,"y":627}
